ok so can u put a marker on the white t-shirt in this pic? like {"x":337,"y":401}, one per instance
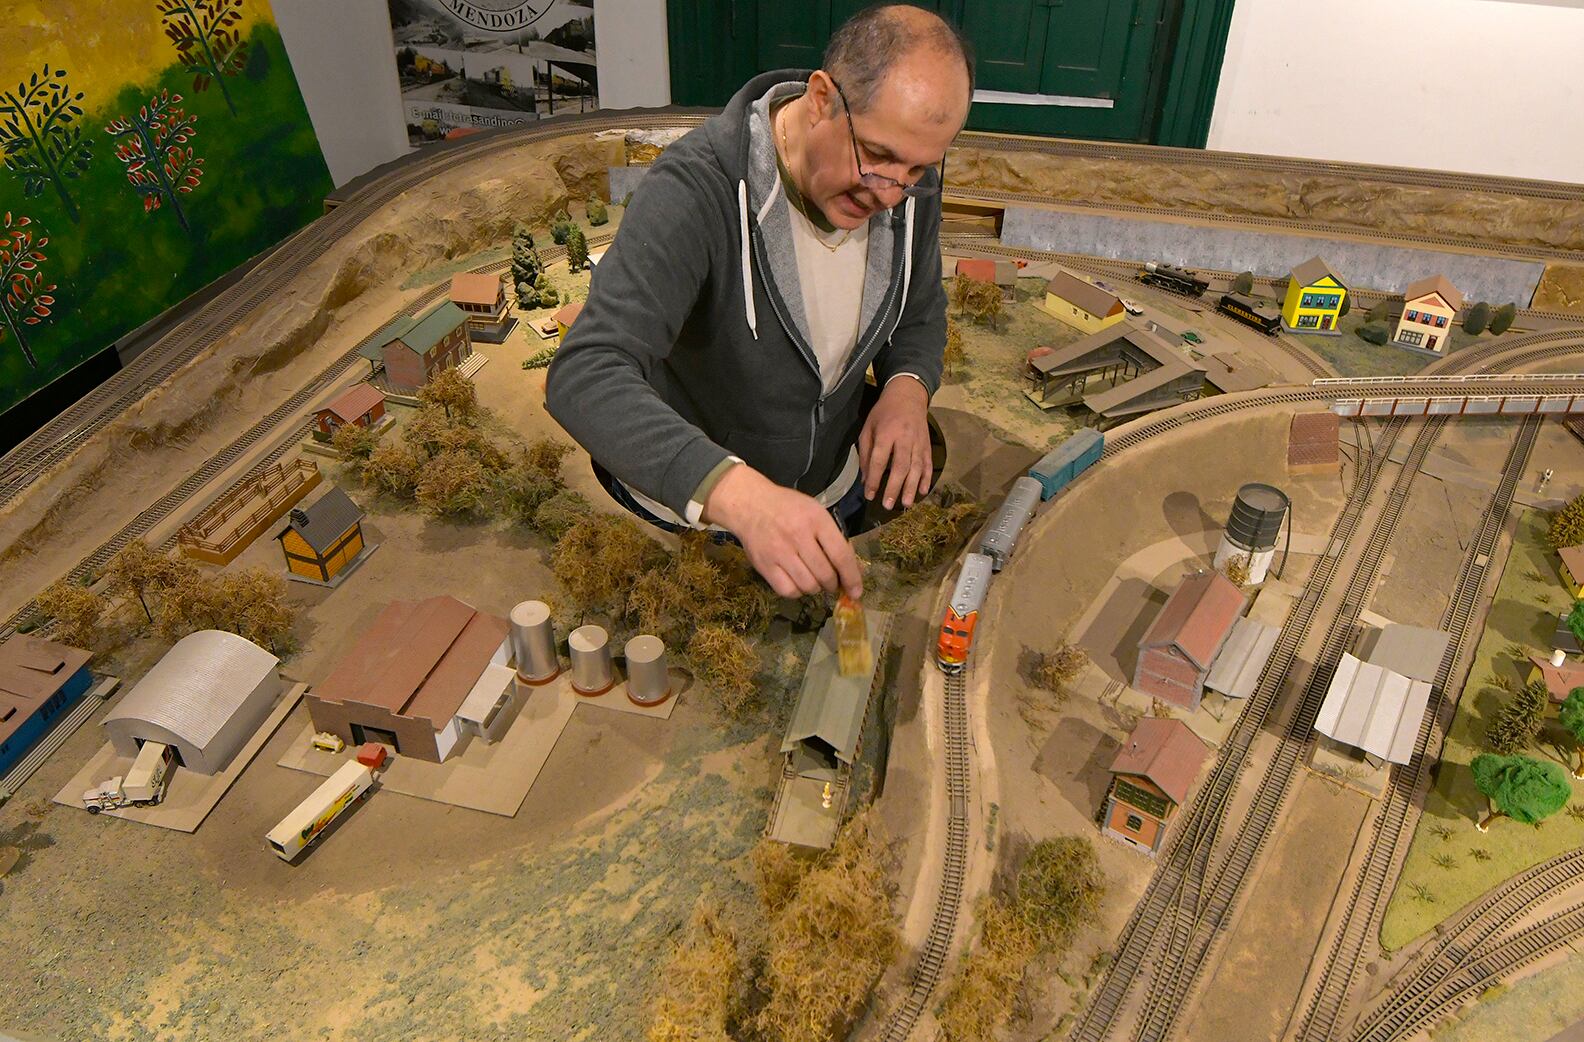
{"x":832,"y":283}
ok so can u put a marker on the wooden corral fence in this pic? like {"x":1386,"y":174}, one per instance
{"x":228,"y":525}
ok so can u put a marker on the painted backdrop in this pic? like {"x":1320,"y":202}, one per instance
{"x":477,"y":64}
{"x":149,"y":146}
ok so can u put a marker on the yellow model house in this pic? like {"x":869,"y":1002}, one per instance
{"x":566,"y":316}
{"x":1081,"y":304}
{"x":321,"y":541}
{"x":1314,"y":299}
{"x":1572,"y":560}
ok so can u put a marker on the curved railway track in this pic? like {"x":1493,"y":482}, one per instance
{"x":1390,"y":827}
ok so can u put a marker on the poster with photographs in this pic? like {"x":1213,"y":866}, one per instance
{"x":479,"y":64}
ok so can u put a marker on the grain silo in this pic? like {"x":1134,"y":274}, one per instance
{"x":1252,"y":529}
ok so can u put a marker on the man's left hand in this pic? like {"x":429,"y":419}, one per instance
{"x":896,"y":436}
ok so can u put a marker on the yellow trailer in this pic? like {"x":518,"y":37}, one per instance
{"x":314,"y":814}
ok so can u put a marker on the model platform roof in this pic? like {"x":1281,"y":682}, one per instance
{"x":325,"y":521}
{"x":419,"y":659}
{"x":1166,"y":752}
{"x":1133,"y":396}
{"x":1374,"y":709}
{"x":198,"y":686}
{"x":1198,"y":617}
{"x":1559,"y":680}
{"x":1237,"y":667}
{"x":1312,"y":271}
{"x":830,"y":707}
{"x":1437,"y":284}
{"x":416,"y":334}
{"x":354,"y":402}
{"x":1091,"y":352}
{"x":1085,"y":296}
{"x":472,"y":288}
{"x":1413,"y":651}
{"x":1229,"y":371}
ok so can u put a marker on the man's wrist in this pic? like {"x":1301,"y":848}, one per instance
{"x":728,"y":491}
{"x":912,"y":378}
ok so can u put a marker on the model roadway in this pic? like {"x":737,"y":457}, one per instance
{"x":1196,"y":891}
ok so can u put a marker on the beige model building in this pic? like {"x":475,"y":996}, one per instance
{"x":1429,"y":306}
{"x":1080,"y":304}
{"x":483,"y":299}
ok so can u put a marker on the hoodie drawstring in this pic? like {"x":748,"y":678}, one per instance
{"x":907,"y":256}
{"x":747,"y":258}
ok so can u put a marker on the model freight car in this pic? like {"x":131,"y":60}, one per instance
{"x":1066,"y":461}
{"x":1001,"y":534}
{"x":1250,"y":312}
{"x":1177,"y":280}
{"x":962,"y":614}
{"x":313,"y":815}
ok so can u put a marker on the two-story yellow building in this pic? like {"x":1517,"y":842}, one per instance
{"x":1314,"y":299}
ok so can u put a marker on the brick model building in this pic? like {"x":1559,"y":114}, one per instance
{"x":39,"y":680}
{"x":1312,"y":442}
{"x":1181,"y":644}
{"x":411,"y":350}
{"x":1081,"y":304}
{"x":1002,"y":273}
{"x":404,"y":681}
{"x":483,"y":299}
{"x":322,"y":539}
{"x":1151,"y":777}
{"x":1429,"y":308}
{"x":361,"y":405}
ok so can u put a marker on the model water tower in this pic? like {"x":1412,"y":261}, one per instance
{"x":1251,"y":531}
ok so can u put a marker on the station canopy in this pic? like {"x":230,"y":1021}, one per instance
{"x":1374,"y":709}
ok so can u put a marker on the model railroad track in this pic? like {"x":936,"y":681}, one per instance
{"x":61,"y":436}
{"x":1323,"y":1015}
{"x":1193,"y":157}
{"x":1120,"y":270}
{"x":1474,"y":953}
{"x":954,"y":866}
{"x":1528,"y":350}
{"x":1294,"y":225}
{"x":89,"y":567}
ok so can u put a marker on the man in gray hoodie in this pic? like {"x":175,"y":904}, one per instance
{"x":767,"y":261}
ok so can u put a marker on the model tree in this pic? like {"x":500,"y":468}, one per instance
{"x":40,"y":137}
{"x":1380,"y":312}
{"x":961,"y":290}
{"x":1243,"y":282}
{"x":925,"y":533}
{"x":954,"y":359}
{"x":1517,"y":723}
{"x":525,"y":268}
{"x":727,"y":663}
{"x":548,"y":297}
{"x":1572,"y":714}
{"x":1575,"y":621}
{"x":452,"y":392}
{"x":207,"y":40}
{"x":75,"y":610}
{"x":1520,"y":787}
{"x":138,"y":571}
{"x":1236,"y":569}
{"x":1567,"y":524}
{"x":984,"y":302}
{"x":453,"y":484}
{"x":1477,"y":318}
{"x":392,"y":469}
{"x":27,"y":298}
{"x":701,"y":988}
{"x":1502,"y":318}
{"x":577,"y":249}
{"x":560,"y":227}
{"x":597,"y":214}
{"x":354,"y":442}
{"x":1054,"y":670}
{"x":600,"y":558}
{"x":160,"y":165}
{"x":254,"y":605}
{"x":1374,"y":332}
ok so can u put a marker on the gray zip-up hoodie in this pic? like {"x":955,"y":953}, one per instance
{"x":694,"y":344}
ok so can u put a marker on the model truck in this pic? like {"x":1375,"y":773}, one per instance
{"x":143,"y":785}
{"x":313,"y":815}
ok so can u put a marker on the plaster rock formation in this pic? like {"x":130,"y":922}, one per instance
{"x":645,"y":146}
{"x":1561,"y":288}
{"x":350,"y":290}
{"x":1338,"y":200}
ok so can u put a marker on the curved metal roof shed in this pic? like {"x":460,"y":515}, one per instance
{"x":208,"y":694}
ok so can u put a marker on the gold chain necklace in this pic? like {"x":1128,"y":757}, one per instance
{"x":796,"y":196}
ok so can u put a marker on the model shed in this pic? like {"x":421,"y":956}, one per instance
{"x":1571,"y":562}
{"x":208,"y":694}
{"x":404,"y":682}
{"x":1237,"y":668}
{"x":1080,"y":304}
{"x":361,"y":405}
{"x":1151,"y":778}
{"x":39,"y":680}
{"x":320,"y":541}
{"x":1180,"y":646}
{"x":1559,"y":677}
{"x":1374,"y":709}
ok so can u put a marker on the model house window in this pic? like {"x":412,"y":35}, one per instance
{"x":1440,"y":321}
{"x":1413,"y":316}
{"x":1308,"y":321}
{"x":1134,"y":823}
{"x":1410,"y":336}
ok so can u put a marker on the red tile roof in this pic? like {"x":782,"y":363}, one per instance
{"x":469,"y":288}
{"x":568,"y":313}
{"x":419,"y":659}
{"x":1166,"y":752}
{"x":354,"y":402}
{"x":1573,"y":558}
{"x":1559,"y":680}
{"x":1197,"y":617}
{"x":1436,"y":284}
{"x":979,"y":269}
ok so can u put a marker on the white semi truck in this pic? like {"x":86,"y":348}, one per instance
{"x":144,"y":784}
{"x":314,"y":814}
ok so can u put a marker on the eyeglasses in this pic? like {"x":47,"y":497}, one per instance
{"x":879,"y":182}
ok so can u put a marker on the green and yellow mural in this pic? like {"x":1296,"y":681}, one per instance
{"x":149,"y":146}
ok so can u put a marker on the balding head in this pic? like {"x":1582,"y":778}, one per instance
{"x":878,"y":41}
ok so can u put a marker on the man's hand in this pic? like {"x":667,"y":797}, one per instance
{"x":897,"y":434}
{"x":790,"y":539}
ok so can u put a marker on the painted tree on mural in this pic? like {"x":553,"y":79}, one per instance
{"x":26,"y":297}
{"x":206,"y":39}
{"x":39,"y":135}
{"x":160,"y":164}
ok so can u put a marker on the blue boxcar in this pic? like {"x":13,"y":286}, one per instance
{"x":25,"y":733}
{"x":1067,"y":460}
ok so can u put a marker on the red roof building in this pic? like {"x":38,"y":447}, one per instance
{"x":1151,"y":777}
{"x":483,"y":299}
{"x":1312,"y":441}
{"x":1176,"y":653}
{"x":1559,"y":680}
{"x":361,"y":405}
{"x":402,"y":683}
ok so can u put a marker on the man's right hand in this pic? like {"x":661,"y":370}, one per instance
{"x":790,"y":539}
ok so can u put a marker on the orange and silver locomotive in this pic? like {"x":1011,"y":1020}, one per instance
{"x":962,"y":614}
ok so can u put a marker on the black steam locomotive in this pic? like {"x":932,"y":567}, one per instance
{"x":1173,"y":279}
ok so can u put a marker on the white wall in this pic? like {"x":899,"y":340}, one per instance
{"x":1484,"y":86}
{"x":634,"y":59}
{"x":345,"y":63}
